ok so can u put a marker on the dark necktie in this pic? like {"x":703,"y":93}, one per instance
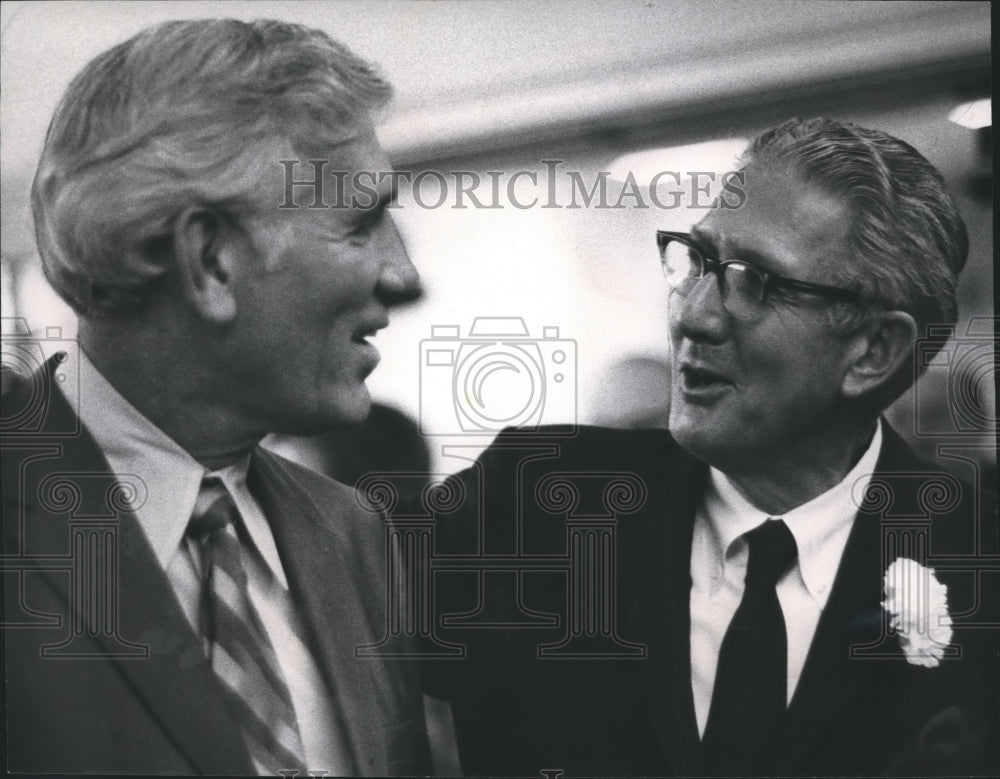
{"x":750,"y":691}
{"x":236,"y":642}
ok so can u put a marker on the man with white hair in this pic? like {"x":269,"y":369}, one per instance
{"x":217,"y":624}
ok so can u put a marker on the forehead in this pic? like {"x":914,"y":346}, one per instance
{"x":339,"y":167}
{"x":790,"y":225}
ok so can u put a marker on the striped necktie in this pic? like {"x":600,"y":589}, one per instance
{"x":235,"y":639}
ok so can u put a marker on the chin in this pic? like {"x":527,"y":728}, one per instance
{"x":333,"y":412}
{"x":346,"y":411}
{"x":700,"y":437}
{"x":686,"y":423}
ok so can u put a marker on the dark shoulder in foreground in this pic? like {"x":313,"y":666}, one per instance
{"x":605,"y":443}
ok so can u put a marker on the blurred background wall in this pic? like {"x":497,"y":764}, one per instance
{"x":588,"y":88}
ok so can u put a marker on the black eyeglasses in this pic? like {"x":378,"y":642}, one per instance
{"x":744,"y":286}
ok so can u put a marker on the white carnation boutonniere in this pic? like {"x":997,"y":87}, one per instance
{"x":917,"y":605}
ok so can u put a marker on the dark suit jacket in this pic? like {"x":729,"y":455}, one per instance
{"x":121,"y":684}
{"x":859,"y":709}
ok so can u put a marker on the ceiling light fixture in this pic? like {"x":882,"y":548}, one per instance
{"x":975,"y":115}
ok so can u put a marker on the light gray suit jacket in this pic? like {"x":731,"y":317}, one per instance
{"x":121,"y":684}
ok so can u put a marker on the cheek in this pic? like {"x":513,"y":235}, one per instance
{"x":796,"y":389}
{"x":790,"y":373}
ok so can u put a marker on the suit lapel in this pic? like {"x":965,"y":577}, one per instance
{"x":172,"y":677}
{"x":836,"y":673}
{"x":656,"y":555}
{"x":322,"y":564}
{"x":176,"y":681}
{"x":832,"y":679}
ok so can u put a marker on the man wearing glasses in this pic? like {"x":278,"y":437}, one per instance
{"x":790,"y":593}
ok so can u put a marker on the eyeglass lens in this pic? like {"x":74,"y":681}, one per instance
{"x":741,"y":287}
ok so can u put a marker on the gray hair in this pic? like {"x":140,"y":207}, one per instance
{"x":177,"y":116}
{"x":907,"y":240}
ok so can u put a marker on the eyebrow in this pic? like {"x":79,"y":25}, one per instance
{"x":701,"y":238}
{"x":369,"y":214}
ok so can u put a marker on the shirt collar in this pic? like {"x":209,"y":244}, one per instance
{"x":134,"y":446}
{"x":820,"y":526}
{"x":171,"y":477}
{"x":235,"y":478}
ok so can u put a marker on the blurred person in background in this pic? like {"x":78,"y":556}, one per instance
{"x":793,"y":592}
{"x":389,"y":440}
{"x":634,"y":394}
{"x":210,"y":316}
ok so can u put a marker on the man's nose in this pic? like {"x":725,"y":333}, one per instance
{"x":701,"y":315}
{"x":399,"y":280}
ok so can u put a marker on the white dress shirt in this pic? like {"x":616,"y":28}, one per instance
{"x":719,"y":562}
{"x":134,"y":445}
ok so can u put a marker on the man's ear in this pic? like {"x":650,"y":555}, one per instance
{"x":206,"y":254}
{"x":881,"y":348}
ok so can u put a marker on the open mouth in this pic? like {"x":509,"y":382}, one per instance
{"x":700,"y":378}
{"x":361,"y":336}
